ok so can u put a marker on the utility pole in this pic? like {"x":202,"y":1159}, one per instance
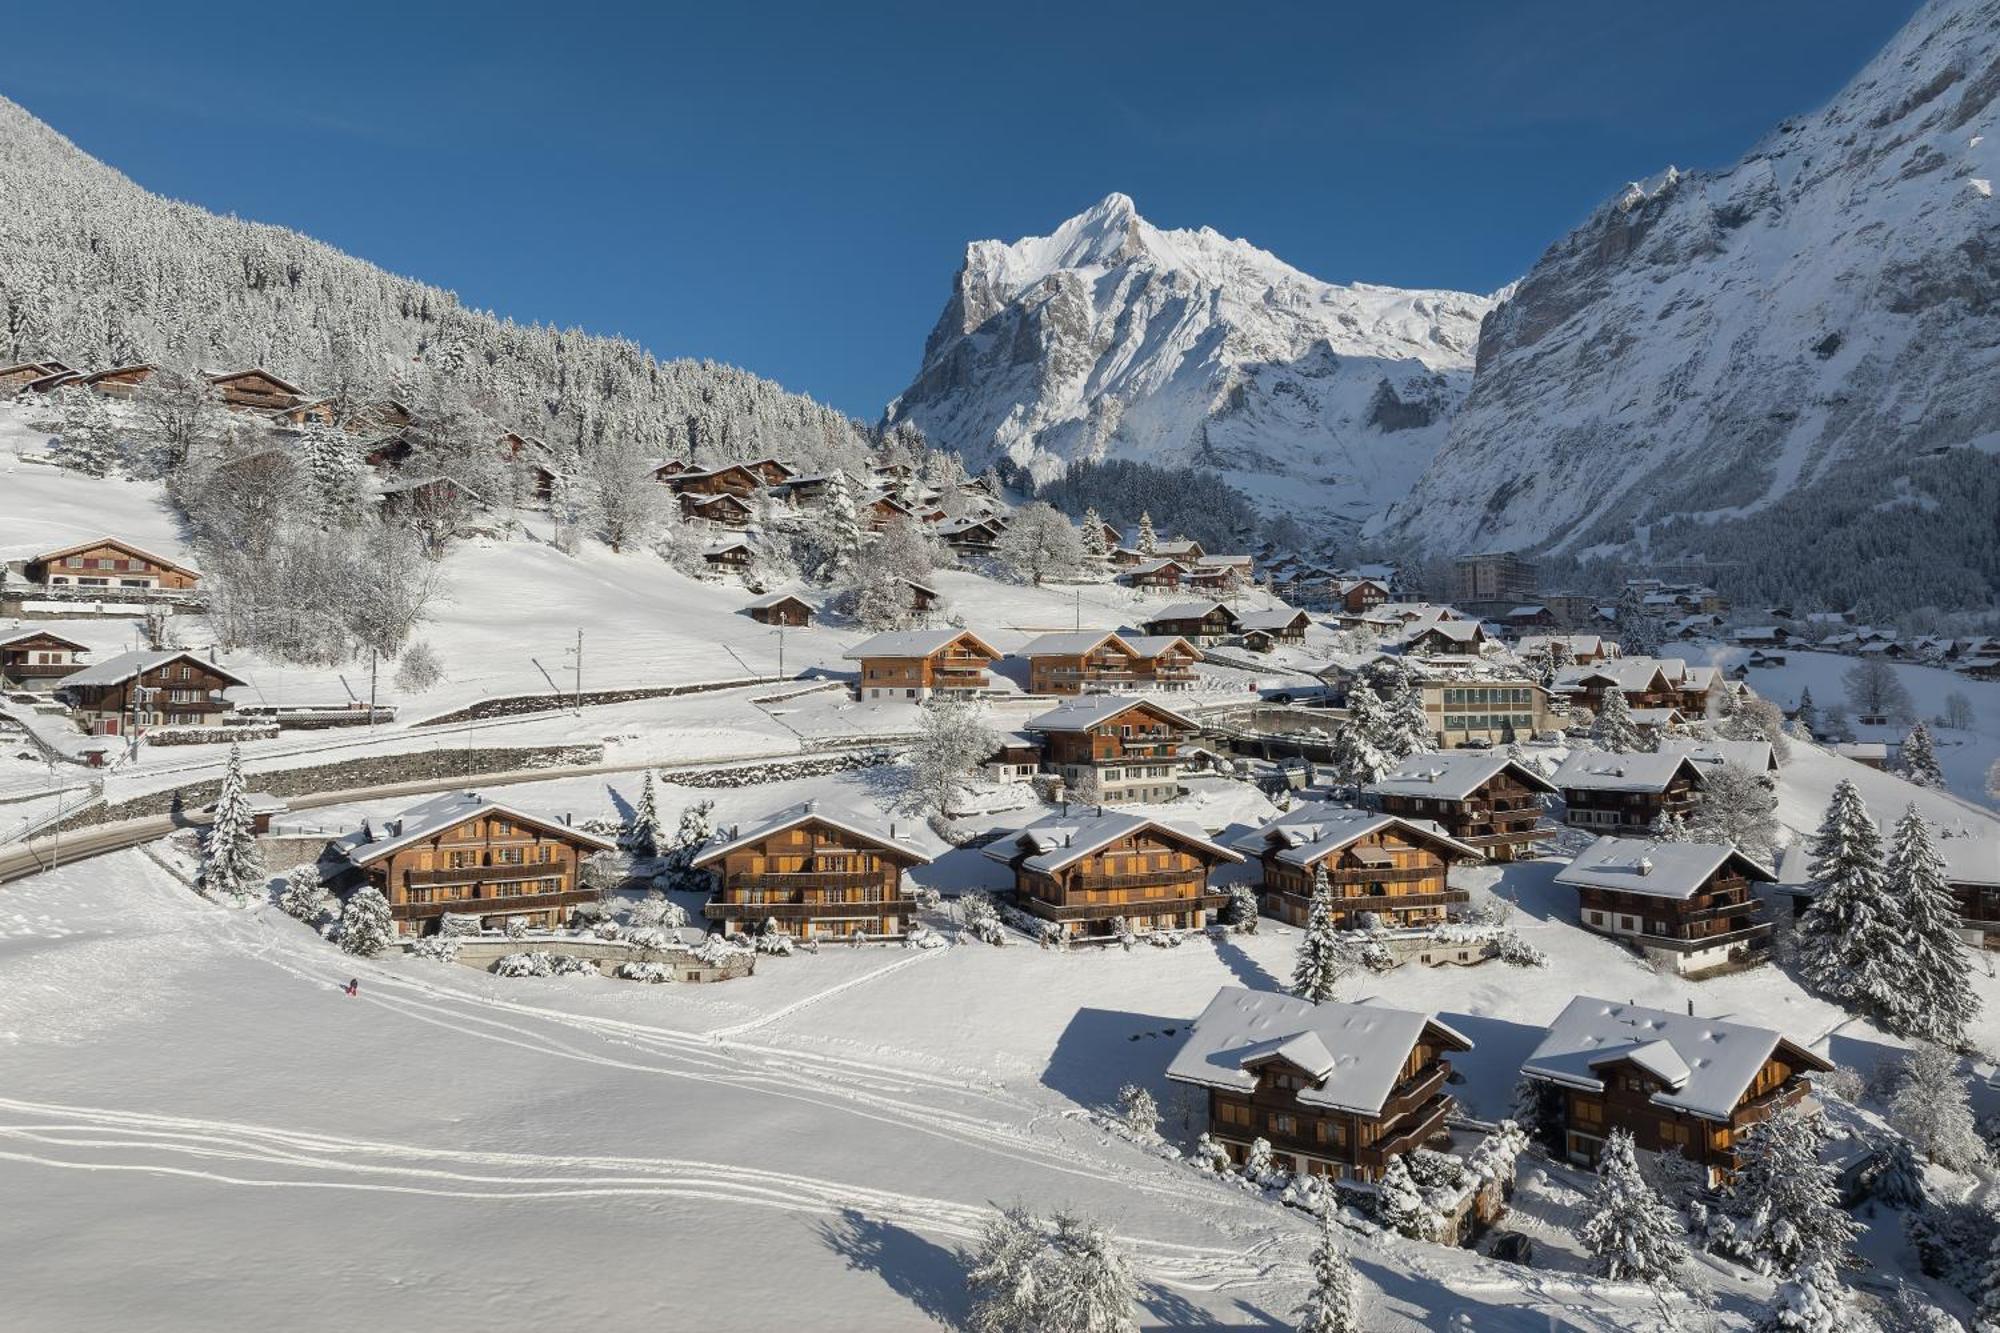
{"x":579,"y":671}
{"x":780,"y":632}
{"x":371,"y":689}
{"x":1079,"y":606}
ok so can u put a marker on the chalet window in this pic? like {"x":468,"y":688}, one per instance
{"x":73,"y":562}
{"x":1674,"y":1134}
{"x":508,"y":856}
{"x":1284,"y":1124}
{"x":1588,"y":1112}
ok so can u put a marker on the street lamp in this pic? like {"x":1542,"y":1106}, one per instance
{"x":780,"y":632}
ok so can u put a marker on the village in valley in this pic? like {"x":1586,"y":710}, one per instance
{"x":1632,"y":944}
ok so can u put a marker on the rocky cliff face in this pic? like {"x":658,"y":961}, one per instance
{"x":1708,"y":344}
{"x":1112,"y":337}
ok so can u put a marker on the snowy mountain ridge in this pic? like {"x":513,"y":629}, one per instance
{"x":1111,"y":337}
{"x":1708,"y":344}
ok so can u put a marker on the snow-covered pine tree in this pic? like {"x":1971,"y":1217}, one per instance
{"x":1939,"y":999}
{"x":1633,"y":1233}
{"x":1784,"y":1199}
{"x":1330,"y":1306}
{"x":366,"y":928}
{"x":1139,"y":1111}
{"x":231,"y":865}
{"x":85,"y":441}
{"x":332,"y":472}
{"x":1399,"y":1204}
{"x":1932,"y":1108}
{"x":838,"y":532}
{"x":696,"y":827}
{"x":1324,"y":958}
{"x":1357,"y":758}
{"x":1148,"y":539}
{"x":1402,"y":729}
{"x":1807,"y":713}
{"x":1243,"y":909}
{"x":1919,"y":760}
{"x":1852,"y":935}
{"x":1090,"y":1287}
{"x":1811,"y":1300}
{"x":1006,"y":1272}
{"x":303,"y":896}
{"x":1614,"y":728}
{"x":643,"y":833}
{"x":1093,"y":536}
{"x":1671,"y":826}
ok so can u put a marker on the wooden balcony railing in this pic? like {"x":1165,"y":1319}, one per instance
{"x":1106,"y":910}
{"x":716,"y":910}
{"x":1757,"y":936}
{"x":39,"y":670}
{"x":1389,"y":902}
{"x":1144,"y":879}
{"x":1428,"y":1122}
{"x":484,"y":874}
{"x":1412,"y":1093}
{"x":793,"y":880}
{"x":525,"y":902}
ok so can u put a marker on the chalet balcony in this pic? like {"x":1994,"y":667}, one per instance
{"x":495,"y":874}
{"x":1746,"y":907}
{"x":1413,"y":1093}
{"x":788,"y":881}
{"x":1387,"y":902}
{"x":524,"y":902}
{"x":1502,"y":837}
{"x":1145,"y":879}
{"x":1757,"y":938}
{"x":39,"y":670}
{"x":1789,"y":1093}
{"x":1423,"y":1126}
{"x":716,"y":910}
{"x":1104,"y":911}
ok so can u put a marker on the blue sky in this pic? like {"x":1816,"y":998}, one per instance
{"x":791,"y":187}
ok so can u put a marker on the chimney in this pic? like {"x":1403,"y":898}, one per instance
{"x":1690,"y":1006}
{"x":395,"y":828}
{"x":367,"y":831}
{"x":567,"y":820}
{"x":1645,"y":866}
{"x":810,"y":806}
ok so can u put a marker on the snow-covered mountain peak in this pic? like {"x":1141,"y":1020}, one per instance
{"x":1111,"y":336}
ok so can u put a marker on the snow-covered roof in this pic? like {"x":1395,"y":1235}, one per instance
{"x":877,"y":832}
{"x":915,"y":643}
{"x":1622,"y":770}
{"x":1093,"y":710}
{"x":1458,"y":631}
{"x":1353,"y":1053}
{"x":1655,"y":717}
{"x":32,"y":632}
{"x":1862,"y":749}
{"x":1974,"y":861}
{"x":1304,"y":835}
{"x":1452,"y":776}
{"x":1757,"y":756}
{"x":769,"y":600}
{"x":1056,"y":841}
{"x":117,"y":670}
{"x":1282,"y":618}
{"x":1150,"y":567}
{"x":1656,"y":869}
{"x":121,"y":544}
{"x":724,"y":547}
{"x":1071,"y":644}
{"x":1152,"y":645}
{"x":1707,"y":1064}
{"x":439,"y":813}
{"x":1631,"y":674}
{"x":1189,"y":611}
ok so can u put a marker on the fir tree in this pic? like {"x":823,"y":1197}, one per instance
{"x":1399,"y":1204}
{"x":1006,"y":1272}
{"x":1614,"y":728}
{"x":86,"y":442}
{"x":331,"y":471}
{"x":1852,"y":939}
{"x":1784,"y":1199}
{"x":643,"y":833}
{"x":1634,"y":1234}
{"x":303,"y":896}
{"x":1811,"y":1301}
{"x":838,"y":535}
{"x":1807,"y":715}
{"x":697,"y":825}
{"x":1324,"y":958}
{"x":1330,"y":1307}
{"x":366,"y":928}
{"x":1139,"y":1111}
{"x":1931,"y":1107}
{"x":1148,"y":539}
{"x":1357,"y":758}
{"x":1093,"y":536}
{"x":1919,"y":762}
{"x":1938,"y":1001}
{"x":231,"y":865}
{"x":1402,"y":728}
{"x":1090,"y":1288}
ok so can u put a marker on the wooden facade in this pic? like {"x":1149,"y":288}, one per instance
{"x":1150,"y":876}
{"x":255,"y":390}
{"x":1155,"y":575}
{"x":817,"y":877}
{"x":492,"y":862}
{"x":1393,"y":873}
{"x":1627,"y":1103}
{"x":1608,"y":805}
{"x":1115,"y":751}
{"x":914,"y":665}
{"x":21,"y":374}
{"x":730,"y":557}
{"x":317,"y":412}
{"x":1203,"y":623}
{"x":1689,"y":905}
{"x":1501,"y":816}
{"x":119,"y":381}
{"x":112,"y":564}
{"x":1321,"y":1141}
{"x":788,"y":610}
{"x":726,"y":508}
{"x":130,"y":694}
{"x":36,"y":659}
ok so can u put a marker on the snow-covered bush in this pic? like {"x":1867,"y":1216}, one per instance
{"x":1068,"y":1276}
{"x":366,"y":927}
{"x":1400,"y":1204}
{"x":1376,"y":956}
{"x":1242,"y":911}
{"x":303,"y":896}
{"x":657,"y":910}
{"x":772,"y":939}
{"x":437,"y":948}
{"x":648,"y":972}
{"x":517,"y":928}
{"x":981,"y":918}
{"x":1518,"y":952}
{"x":1210,"y":1155}
{"x":540,"y":963}
{"x":1893,"y":1173}
{"x":1432,"y":1169}
{"x":1811,"y":1300}
{"x":1260,"y":1167}
{"x":459,"y":923}
{"x":1139,"y":1112}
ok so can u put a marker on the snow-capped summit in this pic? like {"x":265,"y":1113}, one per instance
{"x":1113,"y":337}
{"x":1797,"y":329}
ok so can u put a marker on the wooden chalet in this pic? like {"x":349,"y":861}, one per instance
{"x":56,"y":379}
{"x":1086,"y":873}
{"x":461,"y":854}
{"x":1336,"y":1089}
{"x":730,"y":557}
{"x":1017,"y":758}
{"x":1686,"y":905}
{"x":109,"y":562}
{"x":1283,"y":624}
{"x":1484,"y":800}
{"x":35,"y":659}
{"x":119,"y":381}
{"x":21,"y":374}
{"x":771,"y":472}
{"x":726,"y":508}
{"x":914,"y":664}
{"x":316,"y":412}
{"x":388,"y":453}
{"x":1085,"y":662}
{"x":1381,"y":868}
{"x":1110,"y":536}
{"x":1447,"y":638}
{"x":254,"y":390}
{"x":878,"y":512}
{"x":1186,"y":550}
{"x":1165,"y":661}
{"x":1614,"y":791}
{"x":970,"y":536}
{"x":1647,"y":682}
{"x":1360,"y":596}
{"x":924,"y":599}
{"x":1971,"y":871}
{"x":782,"y":608}
{"x":1157,"y":575}
{"x":1671,"y":1080}
{"x":1115,"y":749}
{"x":729,"y":479}
{"x":1569,"y":649}
{"x":133,"y":692}
{"x":1201,"y":623}
{"x":818,"y":874}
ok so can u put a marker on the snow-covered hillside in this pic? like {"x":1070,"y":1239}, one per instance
{"x":1809,"y":320}
{"x":1113,"y":337}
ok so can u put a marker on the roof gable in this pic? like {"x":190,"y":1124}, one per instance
{"x":441,"y":814}
{"x":117,"y":543}
{"x":874,"y":833}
